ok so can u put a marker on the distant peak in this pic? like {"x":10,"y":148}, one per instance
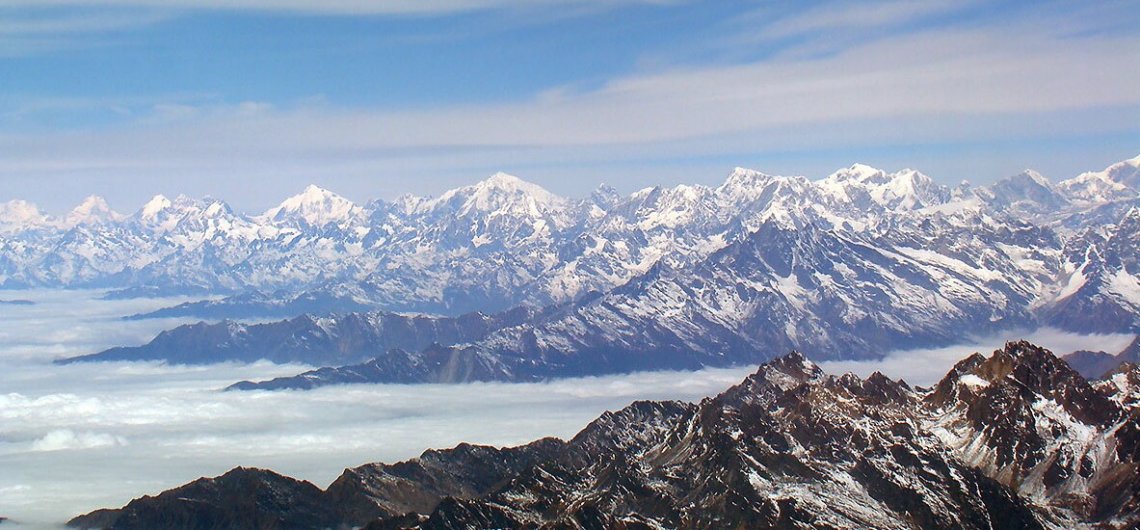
{"x":744,"y":172}
{"x":857,"y":172}
{"x":315,"y":205}
{"x":605,"y":189}
{"x":313,"y":189}
{"x":155,"y":205}
{"x":743,"y":175}
{"x":18,"y":214}
{"x":92,"y":201}
{"x":20,"y":206}
{"x":504,"y":179}
{"x":795,"y":364}
{"x":498,"y":187}
{"x":1036,"y":177}
{"x":864,"y":169}
{"x":92,"y":210}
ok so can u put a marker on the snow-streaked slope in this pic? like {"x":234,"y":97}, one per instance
{"x":314,"y":207}
{"x":503,"y":242}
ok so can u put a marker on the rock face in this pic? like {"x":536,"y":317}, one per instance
{"x":1015,"y":440}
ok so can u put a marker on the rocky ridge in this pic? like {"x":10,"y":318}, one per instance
{"x":1013,"y":440}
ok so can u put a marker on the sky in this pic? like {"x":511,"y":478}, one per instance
{"x":84,"y":436}
{"x":251,"y":100}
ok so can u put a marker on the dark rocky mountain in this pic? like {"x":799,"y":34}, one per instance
{"x":241,"y":498}
{"x":256,"y":304}
{"x":308,"y":339}
{"x":1015,"y":440}
{"x":1096,"y":365}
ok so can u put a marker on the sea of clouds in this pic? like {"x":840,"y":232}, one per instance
{"x":78,"y":437}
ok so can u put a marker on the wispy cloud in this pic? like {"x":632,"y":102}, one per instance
{"x":868,"y":17}
{"x":340,"y":7}
{"x":1020,"y":76}
{"x":65,"y":23}
{"x":941,"y":85}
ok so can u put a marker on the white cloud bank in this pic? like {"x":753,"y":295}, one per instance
{"x":66,"y":439}
{"x":79,"y":437}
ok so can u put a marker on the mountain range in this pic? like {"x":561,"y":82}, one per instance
{"x":1022,"y":242}
{"x":1013,"y":440}
{"x":668,"y":278}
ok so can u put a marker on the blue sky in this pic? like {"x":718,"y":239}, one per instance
{"x":250,"y":100}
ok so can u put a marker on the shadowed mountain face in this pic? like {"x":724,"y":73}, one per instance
{"x":353,"y":337}
{"x":1098,"y":364}
{"x":1015,"y":440}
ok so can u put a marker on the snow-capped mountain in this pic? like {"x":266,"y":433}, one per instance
{"x":681,"y":277}
{"x":1116,"y":182}
{"x":1012,"y":247}
{"x":1017,"y":440}
{"x":93,"y":210}
{"x":1026,"y":195}
{"x":313,"y":208}
{"x":20,"y":216}
{"x":865,"y":187}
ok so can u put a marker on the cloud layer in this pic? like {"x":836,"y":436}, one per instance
{"x":79,"y":437}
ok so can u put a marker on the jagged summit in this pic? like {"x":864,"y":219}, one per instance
{"x":1036,"y":177}
{"x":500,"y":195}
{"x":493,"y":191}
{"x":503,"y":242}
{"x":314,"y":206}
{"x":863,"y":186}
{"x":789,"y":447}
{"x":157,"y":204}
{"x":93,"y":210}
{"x":18,"y":214}
{"x":1118,"y":181}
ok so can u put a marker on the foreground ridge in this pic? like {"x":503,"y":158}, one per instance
{"x":1014,"y":440}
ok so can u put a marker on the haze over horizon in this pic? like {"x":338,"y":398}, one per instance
{"x":250,"y":101}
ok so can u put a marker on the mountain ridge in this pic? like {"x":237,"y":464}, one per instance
{"x":788,"y":447}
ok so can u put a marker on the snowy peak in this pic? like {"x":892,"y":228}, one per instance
{"x":493,"y":189}
{"x":862,"y":186}
{"x":500,"y":194}
{"x":604,"y":197}
{"x":153,"y":207}
{"x":1027,"y":193}
{"x":1118,"y":181}
{"x":1126,"y":172}
{"x":740,"y":177}
{"x":16,"y":215}
{"x":1020,"y":376}
{"x":92,"y":211}
{"x":314,"y":207}
{"x":744,"y":184}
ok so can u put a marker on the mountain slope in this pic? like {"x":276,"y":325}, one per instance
{"x":1015,"y":440}
{"x":306,"y":339}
